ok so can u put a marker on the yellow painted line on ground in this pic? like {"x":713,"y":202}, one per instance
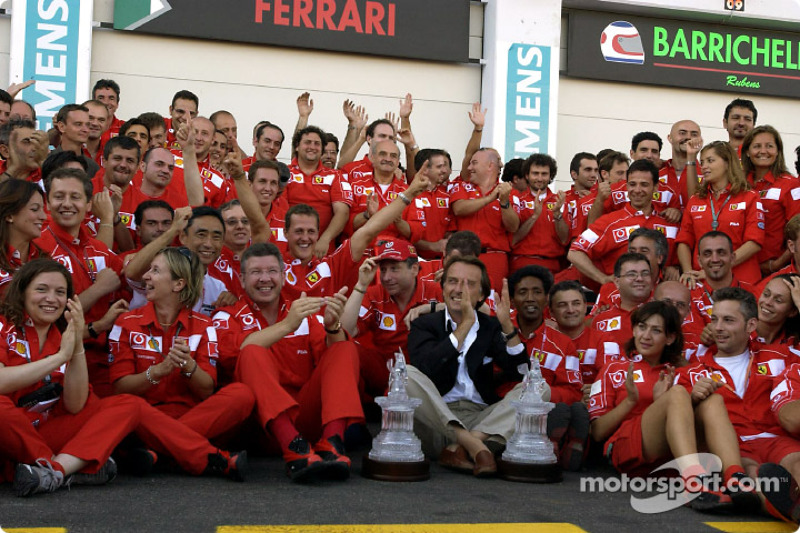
{"x":35,"y":530}
{"x":408,"y":528}
{"x":753,"y":527}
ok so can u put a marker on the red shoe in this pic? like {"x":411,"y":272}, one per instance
{"x":337,"y":464}
{"x":302,"y":463}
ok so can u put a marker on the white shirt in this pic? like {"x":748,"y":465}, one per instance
{"x":737,"y":367}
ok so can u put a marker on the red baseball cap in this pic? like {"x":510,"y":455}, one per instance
{"x":394,"y":250}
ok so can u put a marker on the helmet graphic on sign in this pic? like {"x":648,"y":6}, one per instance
{"x":621,"y":43}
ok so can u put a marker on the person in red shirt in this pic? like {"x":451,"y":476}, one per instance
{"x":791,"y":233}
{"x":267,"y":141}
{"x":584,"y":172}
{"x":167,"y":353}
{"x":237,"y":235}
{"x":568,"y":422}
{"x":261,"y":199}
{"x":157,"y":127}
{"x":22,"y":216}
{"x":107,"y":92}
{"x":723,"y":202}
{"x":765,"y":167}
{"x":742,"y":371}
{"x":489,"y":209}
{"x":182,"y":110}
{"x":375,"y":190}
{"x":72,"y":125}
{"x":98,"y":124}
{"x":377,"y":131}
{"x":137,"y":130}
{"x":430,"y":217}
{"x":635,"y":283}
{"x":299,"y":363}
{"x":647,"y":420}
{"x":321,"y":188}
{"x":375,"y":313}
{"x":23,"y":149}
{"x":323,"y":277}
{"x":680,"y":172}
{"x":54,"y":426}
{"x":739,"y":118}
{"x":95,"y":269}
{"x":595,"y":348}
{"x":596,"y":250}
{"x":543,"y":233}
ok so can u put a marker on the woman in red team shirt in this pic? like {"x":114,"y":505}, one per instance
{"x":53,"y":425}
{"x":647,"y":421}
{"x":22,"y":216}
{"x":723,"y":202}
{"x":765,"y":167}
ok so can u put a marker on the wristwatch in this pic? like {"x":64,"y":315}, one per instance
{"x":510,"y":336}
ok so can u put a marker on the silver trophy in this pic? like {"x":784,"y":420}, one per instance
{"x":396,"y":453}
{"x":529,"y":454}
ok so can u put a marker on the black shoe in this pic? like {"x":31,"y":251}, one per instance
{"x":232,"y":466}
{"x":356,"y":437}
{"x":742,"y":490}
{"x":712,"y":502}
{"x":106,"y":474}
{"x":302,"y":463}
{"x":783,"y":500}
{"x":36,"y":478}
{"x":337,"y":464}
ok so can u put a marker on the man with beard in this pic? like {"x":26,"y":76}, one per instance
{"x":680,"y":172}
{"x":740,"y":117}
{"x":584,"y":172}
{"x":543,"y":233}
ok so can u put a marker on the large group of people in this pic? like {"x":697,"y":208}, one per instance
{"x":167,"y":296}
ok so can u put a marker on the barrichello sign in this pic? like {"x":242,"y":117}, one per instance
{"x":418,"y":29}
{"x":683,"y":54}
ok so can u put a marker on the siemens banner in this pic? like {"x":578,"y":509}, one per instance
{"x":422,"y":29}
{"x":527,"y":100}
{"x":51,"y":42}
{"x":683,"y":54}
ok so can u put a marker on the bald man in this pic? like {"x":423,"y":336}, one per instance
{"x":680,"y":172}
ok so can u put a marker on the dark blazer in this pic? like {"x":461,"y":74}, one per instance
{"x":430,"y":350}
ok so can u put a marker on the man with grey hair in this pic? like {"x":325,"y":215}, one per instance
{"x":490,"y":209}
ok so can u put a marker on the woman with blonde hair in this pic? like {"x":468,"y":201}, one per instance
{"x":723,"y":202}
{"x":167,"y":353}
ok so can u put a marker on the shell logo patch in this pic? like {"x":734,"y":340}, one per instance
{"x":290,"y":277}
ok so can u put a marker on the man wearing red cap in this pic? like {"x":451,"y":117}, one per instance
{"x":375,"y":313}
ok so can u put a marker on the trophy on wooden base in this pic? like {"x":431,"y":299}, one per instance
{"x":529,"y":455}
{"x":396,"y":453}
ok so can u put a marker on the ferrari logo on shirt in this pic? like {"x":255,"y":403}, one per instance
{"x":657,"y":196}
{"x":319,"y":179}
{"x":205,"y":173}
{"x":739,"y":206}
{"x":540,"y":355}
{"x":443,"y":202}
{"x":762,"y":369}
{"x":392,"y":195}
{"x":125,"y":218}
{"x":312,"y":278}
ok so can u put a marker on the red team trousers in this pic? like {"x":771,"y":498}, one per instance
{"x":220,"y":413}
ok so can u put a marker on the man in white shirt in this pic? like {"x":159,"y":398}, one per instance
{"x":453,"y":353}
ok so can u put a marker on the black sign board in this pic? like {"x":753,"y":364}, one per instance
{"x":618,"y":47}
{"x":420,"y":29}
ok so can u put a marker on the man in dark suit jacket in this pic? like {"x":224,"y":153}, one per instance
{"x":453,"y":353}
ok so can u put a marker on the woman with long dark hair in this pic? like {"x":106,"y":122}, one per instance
{"x":647,"y":421}
{"x":22,"y":217}
{"x":54,"y":428}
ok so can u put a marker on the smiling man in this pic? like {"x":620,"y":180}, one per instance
{"x":595,"y":252}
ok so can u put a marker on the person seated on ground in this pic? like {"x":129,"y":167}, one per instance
{"x":95,"y":269}
{"x":167,"y":353}
{"x":742,"y":371}
{"x":296,"y":358}
{"x":568,"y":422}
{"x":59,"y":432}
{"x":595,"y":348}
{"x":647,"y":421}
{"x":375,"y":313}
{"x":635,"y":283}
{"x":452,"y":355}
{"x":21,"y":218}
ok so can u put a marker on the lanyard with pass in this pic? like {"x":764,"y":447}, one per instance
{"x":715,"y":214}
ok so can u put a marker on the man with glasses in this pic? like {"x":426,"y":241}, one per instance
{"x":635,"y":283}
